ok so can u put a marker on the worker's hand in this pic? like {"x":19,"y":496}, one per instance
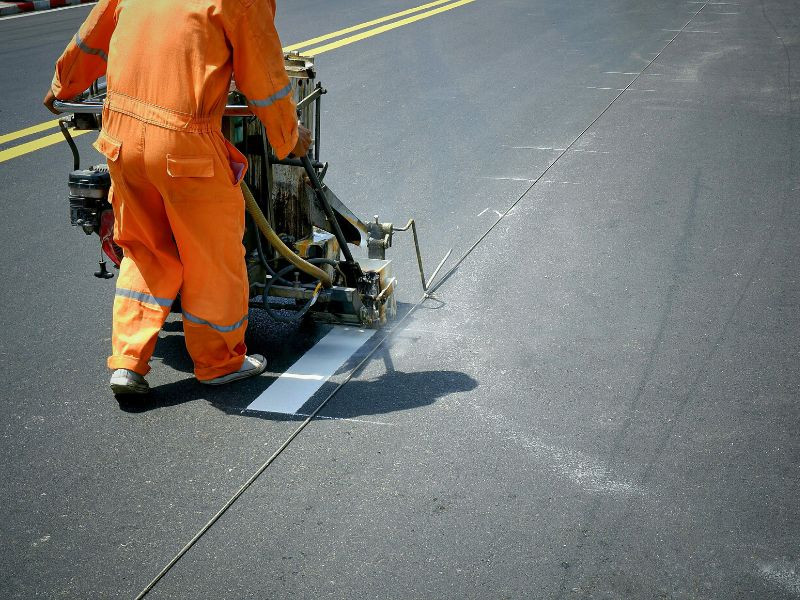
{"x":303,"y":142}
{"x":48,"y":101}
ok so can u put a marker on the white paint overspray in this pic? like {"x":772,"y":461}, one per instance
{"x":296,"y":386}
{"x":782,"y":574}
{"x":584,"y":470}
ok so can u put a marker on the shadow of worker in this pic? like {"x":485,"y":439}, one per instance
{"x":393,"y":391}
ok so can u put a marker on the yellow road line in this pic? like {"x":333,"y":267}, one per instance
{"x":378,"y":30}
{"x":34,"y":145}
{"x":334,"y":34}
{"x":15,"y":135}
{"x":55,"y":138}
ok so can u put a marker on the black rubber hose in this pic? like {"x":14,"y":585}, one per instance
{"x":337,"y":231}
{"x":277,"y":243}
{"x":76,"y":157}
{"x":260,"y":249}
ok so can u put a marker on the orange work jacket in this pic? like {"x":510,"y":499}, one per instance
{"x":169,"y":62}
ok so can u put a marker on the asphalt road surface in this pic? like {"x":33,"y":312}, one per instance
{"x":600,"y":400}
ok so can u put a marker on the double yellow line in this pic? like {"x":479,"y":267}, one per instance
{"x":37,"y":144}
{"x":429,"y":11}
{"x":312,"y":47}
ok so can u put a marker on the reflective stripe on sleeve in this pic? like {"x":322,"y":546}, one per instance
{"x":143,"y":297}
{"x":89,"y":49}
{"x":272,"y":99}
{"x":222,"y":328}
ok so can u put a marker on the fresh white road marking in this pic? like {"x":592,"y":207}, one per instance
{"x":294,"y":387}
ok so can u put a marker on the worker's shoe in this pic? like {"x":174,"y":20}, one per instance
{"x":253,"y":365}
{"x":125,"y":381}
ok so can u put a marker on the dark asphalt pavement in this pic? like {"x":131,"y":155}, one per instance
{"x":601,"y":400}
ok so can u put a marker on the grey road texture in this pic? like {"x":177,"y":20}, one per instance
{"x":600,"y":400}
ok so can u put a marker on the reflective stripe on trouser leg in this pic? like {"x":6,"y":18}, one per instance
{"x":216,"y":349}
{"x":135,"y":330}
{"x":206,"y":215}
{"x":151,"y":272}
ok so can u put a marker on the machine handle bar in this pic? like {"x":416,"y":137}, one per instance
{"x":96,"y":108}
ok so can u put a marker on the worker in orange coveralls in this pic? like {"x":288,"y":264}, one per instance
{"x":178,"y":207}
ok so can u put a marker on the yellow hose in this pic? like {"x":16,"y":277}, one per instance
{"x":277,"y":243}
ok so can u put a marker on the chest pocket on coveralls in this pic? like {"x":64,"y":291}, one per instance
{"x":190,"y":166}
{"x":108,"y":146}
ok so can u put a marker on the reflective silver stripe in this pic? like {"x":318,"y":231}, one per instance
{"x":272,"y":99}
{"x":89,"y":49}
{"x":143,"y":297}
{"x":222,"y":328}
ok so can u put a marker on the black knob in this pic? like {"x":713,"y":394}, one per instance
{"x":103,"y":273}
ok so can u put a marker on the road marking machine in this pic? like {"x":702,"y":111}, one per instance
{"x":298,"y":232}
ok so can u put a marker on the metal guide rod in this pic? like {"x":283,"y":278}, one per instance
{"x":425,"y":283}
{"x":318,"y":91}
{"x":413,"y":227}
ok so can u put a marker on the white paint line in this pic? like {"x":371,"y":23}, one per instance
{"x":293,"y":389}
{"x":592,"y":87}
{"x":689,"y":31}
{"x":483,"y":212}
{"x":498,"y":213}
{"x":431,"y":332}
{"x":303,"y":377}
{"x":44,"y":12}
{"x":547,"y":148}
{"x":344,"y":419}
{"x":619,"y":73}
{"x":508,"y":179}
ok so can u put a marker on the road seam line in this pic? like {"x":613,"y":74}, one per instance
{"x":455,"y":267}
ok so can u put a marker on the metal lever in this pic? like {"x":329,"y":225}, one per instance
{"x":425,"y":284}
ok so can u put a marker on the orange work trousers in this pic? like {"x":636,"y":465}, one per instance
{"x":179,"y":218}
